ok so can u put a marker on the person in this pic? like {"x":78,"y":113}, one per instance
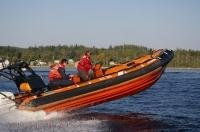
{"x":57,"y":75}
{"x":98,"y":71}
{"x":84,"y":67}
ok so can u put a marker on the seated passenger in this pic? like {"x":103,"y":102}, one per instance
{"x":57,"y":75}
{"x":85,"y":67}
{"x":98,"y":71}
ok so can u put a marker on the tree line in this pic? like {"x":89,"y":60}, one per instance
{"x":121,"y":53}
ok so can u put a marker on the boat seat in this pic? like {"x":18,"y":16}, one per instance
{"x":36,"y":83}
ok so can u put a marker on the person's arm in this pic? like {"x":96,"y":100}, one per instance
{"x":62,"y":73}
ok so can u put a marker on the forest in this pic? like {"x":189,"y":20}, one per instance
{"x":183,"y":58}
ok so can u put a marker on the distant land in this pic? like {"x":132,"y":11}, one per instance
{"x":48,"y":54}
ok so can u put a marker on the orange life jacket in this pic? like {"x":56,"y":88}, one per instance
{"x":54,"y":74}
{"x":98,"y":72}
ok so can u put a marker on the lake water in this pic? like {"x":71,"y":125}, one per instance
{"x":172,"y":104}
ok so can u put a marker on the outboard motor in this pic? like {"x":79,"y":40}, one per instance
{"x":24,"y":77}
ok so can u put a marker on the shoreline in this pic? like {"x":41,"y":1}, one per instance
{"x":169,"y":68}
{"x":183,"y":68}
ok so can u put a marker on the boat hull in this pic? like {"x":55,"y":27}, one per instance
{"x":111,"y":93}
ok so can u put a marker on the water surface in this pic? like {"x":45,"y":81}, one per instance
{"x":172,"y":104}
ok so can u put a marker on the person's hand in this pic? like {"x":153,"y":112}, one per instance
{"x":70,"y":75}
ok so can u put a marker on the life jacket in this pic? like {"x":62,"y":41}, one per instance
{"x":54,"y":74}
{"x":84,"y":64}
{"x":98,"y":72}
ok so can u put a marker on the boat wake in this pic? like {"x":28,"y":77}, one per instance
{"x":71,"y":122}
{"x":18,"y":120}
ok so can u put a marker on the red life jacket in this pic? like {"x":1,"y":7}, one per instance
{"x":85,"y":64}
{"x":54,"y":74}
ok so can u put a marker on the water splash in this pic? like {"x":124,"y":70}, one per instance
{"x":10,"y":114}
{"x":17,"y":116}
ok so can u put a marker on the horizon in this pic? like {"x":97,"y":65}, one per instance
{"x":37,"y":46}
{"x":172,"y":24}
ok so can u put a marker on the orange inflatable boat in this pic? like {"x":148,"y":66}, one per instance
{"x":109,"y":84}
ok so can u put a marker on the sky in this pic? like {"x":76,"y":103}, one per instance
{"x":152,"y":23}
